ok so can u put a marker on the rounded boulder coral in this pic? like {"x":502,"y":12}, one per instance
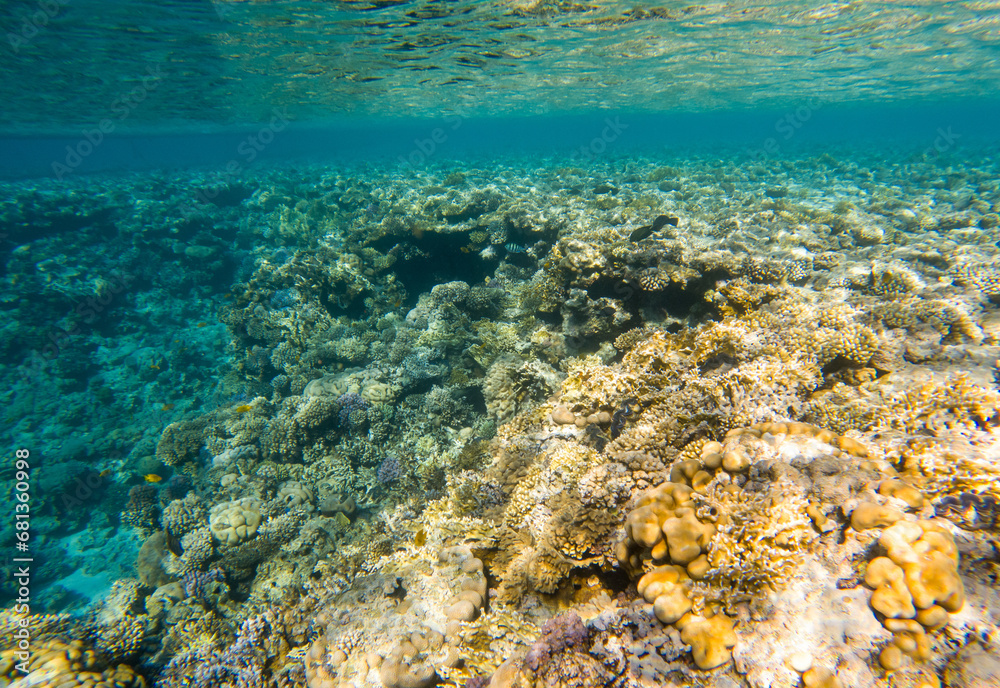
{"x":236,"y":521}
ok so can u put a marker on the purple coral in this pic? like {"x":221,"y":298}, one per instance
{"x":283,"y":298}
{"x":241,"y":665}
{"x":564,"y":632}
{"x":353,"y":409}
{"x":196,"y":582}
{"x":390,"y":469}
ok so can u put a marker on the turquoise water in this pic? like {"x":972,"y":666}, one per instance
{"x":341,"y":342}
{"x":220,"y":64}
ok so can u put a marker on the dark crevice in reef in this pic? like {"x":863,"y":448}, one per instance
{"x":612,"y":582}
{"x":435,"y":259}
{"x":187,"y":230}
{"x":615,"y":580}
{"x":423,"y":386}
{"x":687,"y":302}
{"x":839,"y":364}
{"x":227,"y":196}
{"x":100,"y":223}
{"x":335,"y":306}
{"x":474,"y":396}
{"x":719,"y":363}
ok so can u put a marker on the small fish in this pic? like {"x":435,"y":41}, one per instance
{"x":242,"y":408}
{"x":168,"y":407}
{"x":644,"y":231}
{"x":173,"y":544}
{"x":641,"y":233}
{"x":152,"y":478}
{"x":177,"y":341}
{"x":664,"y":220}
{"x":514,"y":248}
{"x":201,"y":324}
{"x":154,"y":366}
{"x":105,"y":473}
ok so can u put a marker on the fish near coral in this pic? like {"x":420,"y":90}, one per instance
{"x":174,"y":544}
{"x":152,"y":478}
{"x":658,"y":224}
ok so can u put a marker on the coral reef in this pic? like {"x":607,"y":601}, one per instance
{"x":502,"y":427}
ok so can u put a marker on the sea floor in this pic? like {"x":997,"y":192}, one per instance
{"x":674,"y":420}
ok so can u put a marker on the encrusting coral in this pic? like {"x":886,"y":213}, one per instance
{"x":916,"y":580}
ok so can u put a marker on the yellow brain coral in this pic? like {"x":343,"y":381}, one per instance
{"x":711,"y":639}
{"x":915,"y":585}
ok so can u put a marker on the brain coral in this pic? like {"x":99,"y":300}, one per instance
{"x":233,"y":522}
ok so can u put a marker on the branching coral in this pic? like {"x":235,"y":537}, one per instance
{"x":760,"y":536}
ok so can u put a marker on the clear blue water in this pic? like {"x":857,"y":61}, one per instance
{"x":223,"y":64}
{"x":119,"y":82}
{"x":754,"y":134}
